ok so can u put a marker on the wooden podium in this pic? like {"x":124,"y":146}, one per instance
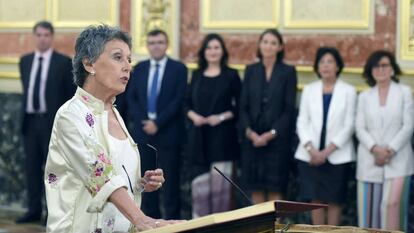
{"x":257,"y":218}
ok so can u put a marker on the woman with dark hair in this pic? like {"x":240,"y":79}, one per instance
{"x":212,"y":104}
{"x":325,"y":126}
{"x":267,"y":110}
{"x":384,"y":126}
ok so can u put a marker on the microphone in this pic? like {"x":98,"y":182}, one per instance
{"x":234,"y":185}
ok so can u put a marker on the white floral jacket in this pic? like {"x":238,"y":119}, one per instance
{"x":80,"y":174}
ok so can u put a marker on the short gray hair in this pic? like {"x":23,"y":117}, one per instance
{"x":90,"y":44}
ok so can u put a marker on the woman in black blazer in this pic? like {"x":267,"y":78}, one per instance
{"x":212,"y":105}
{"x":267,"y":106}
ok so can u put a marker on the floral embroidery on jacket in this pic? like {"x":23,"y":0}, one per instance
{"x":101,"y":168}
{"x":52,"y":179}
{"x":89,"y":119}
{"x":110,"y":222}
{"x":85,"y":97}
{"x":101,"y":171}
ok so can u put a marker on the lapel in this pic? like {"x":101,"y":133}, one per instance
{"x":165,"y":83}
{"x":335,"y":103}
{"x":393,"y":97}
{"x":143,"y":85}
{"x":275,"y":80}
{"x":318,"y":104}
{"x":257,"y":85}
{"x":51,"y":73}
{"x":27,"y":67}
{"x":375,"y":109}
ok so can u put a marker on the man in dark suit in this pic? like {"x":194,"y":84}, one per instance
{"x":154,"y":103}
{"x":47,"y":84}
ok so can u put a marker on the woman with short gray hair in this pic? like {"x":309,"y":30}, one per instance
{"x":92,"y":174}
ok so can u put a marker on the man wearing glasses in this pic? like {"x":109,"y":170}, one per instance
{"x":153,"y":107}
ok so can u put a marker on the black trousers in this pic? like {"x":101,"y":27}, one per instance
{"x":167,"y":199}
{"x":36,"y":142}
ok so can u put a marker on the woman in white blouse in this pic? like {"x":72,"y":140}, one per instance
{"x":325,"y":126}
{"x":384,"y":126}
{"x":92,"y":173}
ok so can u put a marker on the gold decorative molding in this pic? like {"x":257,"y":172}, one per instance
{"x":291,"y":23}
{"x":6,"y":73}
{"x":407,"y":30}
{"x":304,"y":69}
{"x":26,"y":24}
{"x":9,"y":60}
{"x":111,"y":20}
{"x":148,"y":15}
{"x":9,"y":75}
{"x":208,"y":23}
{"x":51,"y":13}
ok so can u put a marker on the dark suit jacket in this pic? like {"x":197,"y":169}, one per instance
{"x":280,"y":109}
{"x":170,"y":101}
{"x":59,"y":85}
{"x":222,"y":141}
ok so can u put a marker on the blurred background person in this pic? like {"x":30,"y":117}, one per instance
{"x":267,"y":110}
{"x":384,"y":127}
{"x":212,"y":107}
{"x":325,"y":127}
{"x":47,"y":83}
{"x":92,"y":174}
{"x":154,"y":104}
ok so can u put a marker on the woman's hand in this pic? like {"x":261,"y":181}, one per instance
{"x":213,"y":120}
{"x":255,"y":138}
{"x":317,"y":158}
{"x":382,"y":155}
{"x":197,"y":119}
{"x":143,"y":223}
{"x":152,"y":180}
{"x":149,"y":223}
{"x":329,"y":150}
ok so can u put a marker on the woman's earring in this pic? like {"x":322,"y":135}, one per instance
{"x":392,"y":73}
{"x":92,"y":73}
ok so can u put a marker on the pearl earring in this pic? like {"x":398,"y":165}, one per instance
{"x":92,"y":73}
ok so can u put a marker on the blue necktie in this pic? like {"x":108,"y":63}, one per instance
{"x":152,"y":99}
{"x":36,"y":89}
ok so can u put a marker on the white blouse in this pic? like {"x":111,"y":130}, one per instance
{"x":127,"y":159}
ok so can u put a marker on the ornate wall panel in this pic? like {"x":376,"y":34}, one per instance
{"x":154,"y":14}
{"x":22,"y":13}
{"x":18,"y":14}
{"x":406,"y":26}
{"x":81,"y":13}
{"x":239,"y":14}
{"x":327,"y":14}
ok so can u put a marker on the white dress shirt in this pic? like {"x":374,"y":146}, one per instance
{"x":43,"y":79}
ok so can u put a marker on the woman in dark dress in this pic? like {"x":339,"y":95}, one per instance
{"x":267,"y":106}
{"x":212,"y":105}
